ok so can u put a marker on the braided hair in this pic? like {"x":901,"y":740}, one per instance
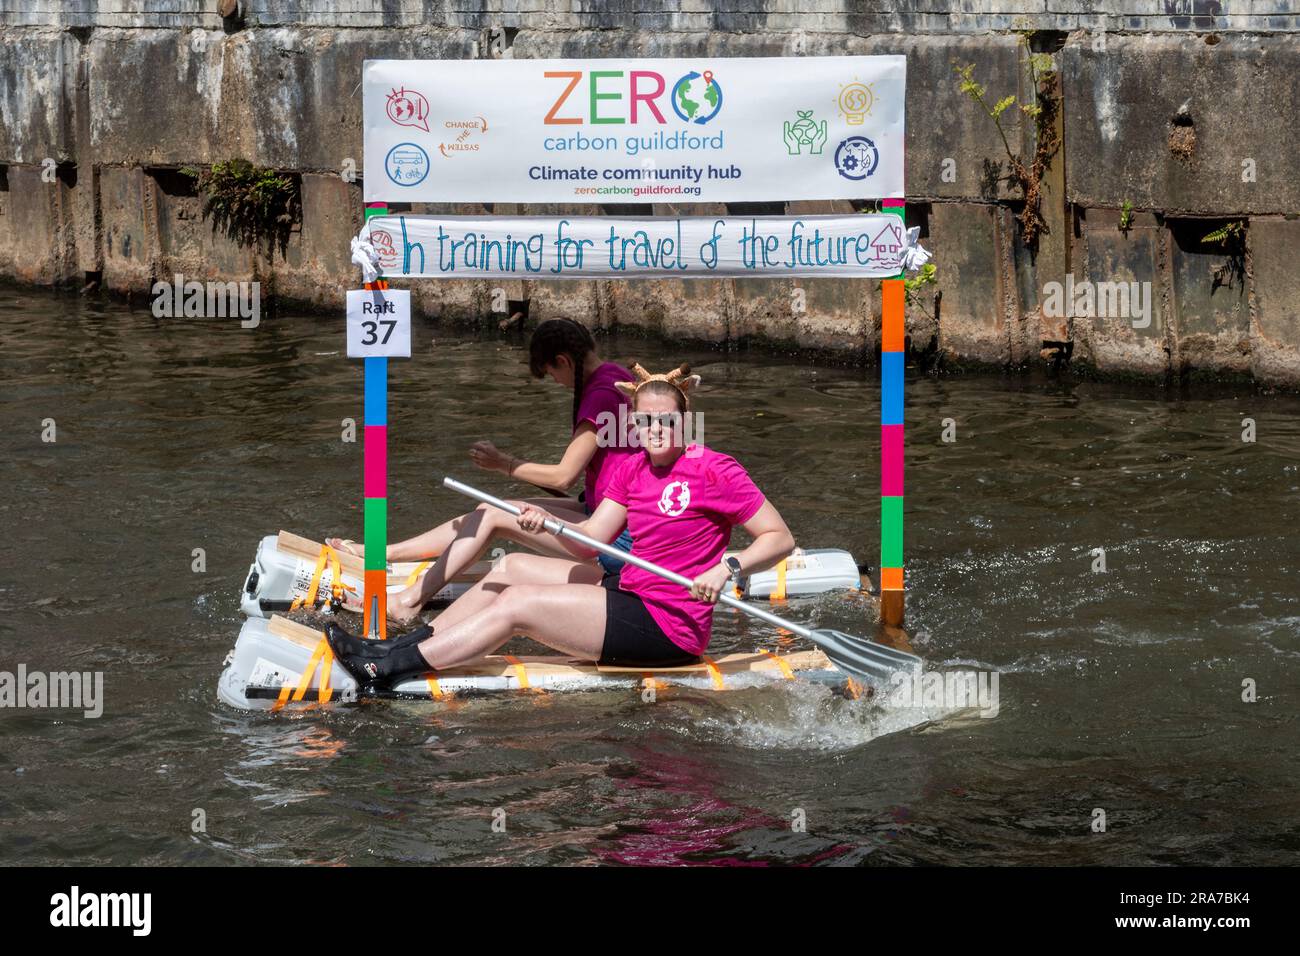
{"x":556,"y":337}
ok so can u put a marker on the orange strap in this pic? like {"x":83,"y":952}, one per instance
{"x":785,"y":668}
{"x":435,"y":690}
{"x":520,"y":672}
{"x":713,"y":672}
{"x":419,"y":569}
{"x":648,"y":681}
{"x":779,"y":593}
{"x":322,"y":656}
{"x":336,"y":579}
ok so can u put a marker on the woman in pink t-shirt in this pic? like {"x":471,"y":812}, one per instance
{"x":680,"y":504}
{"x":565,"y":350}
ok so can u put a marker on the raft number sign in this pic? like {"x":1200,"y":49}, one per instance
{"x":724,"y":129}
{"x":379,"y":323}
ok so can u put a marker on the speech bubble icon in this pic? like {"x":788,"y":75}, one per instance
{"x":408,"y":108}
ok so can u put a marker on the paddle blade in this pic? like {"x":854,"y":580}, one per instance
{"x":866,"y":660}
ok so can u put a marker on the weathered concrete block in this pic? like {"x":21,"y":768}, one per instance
{"x":1213,"y":317}
{"x":696,"y":309}
{"x":456,"y":302}
{"x":763,"y":309}
{"x":42,"y":227}
{"x":1124,"y":140}
{"x":186,"y":242}
{"x":8,"y":238}
{"x":1116,"y":343}
{"x":128,"y":258}
{"x":574,"y":299}
{"x":972,"y":324}
{"x":35,"y":90}
{"x":1275,"y":300}
{"x":283,"y":98}
{"x":316,"y":269}
{"x":841,"y":316}
{"x":160,"y":97}
{"x":945,"y":129}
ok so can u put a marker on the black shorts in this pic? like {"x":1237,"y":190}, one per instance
{"x":632,"y":638}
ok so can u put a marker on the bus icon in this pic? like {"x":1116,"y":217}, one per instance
{"x":407,"y":164}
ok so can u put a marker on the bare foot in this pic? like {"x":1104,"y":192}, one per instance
{"x":347,"y":546}
{"x":403,"y":614}
{"x":398,"y":613}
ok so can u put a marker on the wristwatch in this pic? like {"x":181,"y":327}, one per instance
{"x":733,"y":568}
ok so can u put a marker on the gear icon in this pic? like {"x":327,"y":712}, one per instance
{"x":856,"y":158}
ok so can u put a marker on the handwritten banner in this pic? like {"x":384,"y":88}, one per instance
{"x":724,"y":129}
{"x":605,"y":247}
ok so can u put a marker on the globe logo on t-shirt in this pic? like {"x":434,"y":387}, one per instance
{"x":672,"y":508}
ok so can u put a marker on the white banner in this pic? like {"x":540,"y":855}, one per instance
{"x":605,"y":247}
{"x":713,"y":129}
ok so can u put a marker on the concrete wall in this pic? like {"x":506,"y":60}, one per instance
{"x":1180,"y":108}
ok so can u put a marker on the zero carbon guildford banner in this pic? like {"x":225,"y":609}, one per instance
{"x":640,"y":130}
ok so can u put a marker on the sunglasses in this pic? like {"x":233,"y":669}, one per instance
{"x":663,"y":419}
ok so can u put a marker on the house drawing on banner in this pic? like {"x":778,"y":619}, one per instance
{"x":888,"y":244}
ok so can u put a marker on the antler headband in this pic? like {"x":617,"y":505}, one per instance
{"x":679,"y":378}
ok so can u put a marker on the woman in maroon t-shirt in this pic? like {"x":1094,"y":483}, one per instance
{"x":565,"y":350}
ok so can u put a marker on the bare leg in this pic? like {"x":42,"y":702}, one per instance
{"x":515,"y":569}
{"x":475,"y":532}
{"x":567,"y":617}
{"x":436,"y":540}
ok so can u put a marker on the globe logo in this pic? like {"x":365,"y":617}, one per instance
{"x":697,"y":97}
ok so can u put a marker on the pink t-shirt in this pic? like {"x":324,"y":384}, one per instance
{"x":600,"y":405}
{"x":680,"y":518}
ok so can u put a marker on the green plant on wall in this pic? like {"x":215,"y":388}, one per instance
{"x":1126,"y":217}
{"x":1231,"y":241}
{"x":256,"y":208}
{"x":1026,"y":176}
{"x":912,"y":286}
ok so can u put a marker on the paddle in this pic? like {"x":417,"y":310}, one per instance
{"x":856,"y":656}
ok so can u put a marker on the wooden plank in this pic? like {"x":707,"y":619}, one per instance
{"x":354,"y":567}
{"x":292,"y":543}
{"x":556,"y":665}
{"x":293,"y":632}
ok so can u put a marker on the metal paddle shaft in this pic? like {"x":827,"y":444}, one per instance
{"x":857,"y":656}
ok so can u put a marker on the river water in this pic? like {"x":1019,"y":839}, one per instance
{"x":1119,"y":691}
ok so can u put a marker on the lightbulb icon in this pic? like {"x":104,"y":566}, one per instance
{"x":855,"y":102}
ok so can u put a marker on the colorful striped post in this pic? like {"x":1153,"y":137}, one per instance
{"x":375,"y":478}
{"x":891,"y":438}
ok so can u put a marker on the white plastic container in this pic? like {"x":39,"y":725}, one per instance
{"x":808,"y":572}
{"x":265,"y":660}
{"x":277,"y":577}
